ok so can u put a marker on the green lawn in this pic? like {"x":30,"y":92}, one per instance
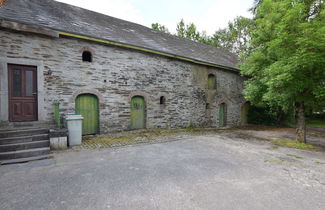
{"x":316,"y":123}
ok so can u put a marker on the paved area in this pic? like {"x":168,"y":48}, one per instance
{"x":196,"y":172}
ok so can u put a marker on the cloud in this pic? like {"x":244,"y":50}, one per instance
{"x":218,"y":15}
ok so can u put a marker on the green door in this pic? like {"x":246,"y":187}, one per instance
{"x":222,"y":115}
{"x":87,"y":106}
{"x":244,"y":113}
{"x":138,"y":112}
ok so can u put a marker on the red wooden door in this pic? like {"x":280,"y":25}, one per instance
{"x":22,"y":93}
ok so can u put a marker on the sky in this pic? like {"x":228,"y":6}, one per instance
{"x":207,"y":15}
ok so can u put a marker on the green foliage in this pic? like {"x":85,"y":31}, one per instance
{"x":190,"y":126}
{"x":316,"y":123}
{"x":57,"y":116}
{"x":236,"y":37}
{"x":188,"y":31}
{"x":262,"y":116}
{"x":159,"y":27}
{"x":287,"y":57}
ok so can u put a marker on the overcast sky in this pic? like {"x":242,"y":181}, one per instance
{"x":207,"y":15}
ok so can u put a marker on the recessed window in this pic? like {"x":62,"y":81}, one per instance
{"x":207,"y":106}
{"x":211,"y":81}
{"x":86,"y":56}
{"x":162,"y":100}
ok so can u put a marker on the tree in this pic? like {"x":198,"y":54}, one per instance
{"x":188,"y":31}
{"x":180,"y":29}
{"x":235,"y":37}
{"x":159,"y":27}
{"x":287,"y":58}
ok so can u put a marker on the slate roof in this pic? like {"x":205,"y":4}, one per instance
{"x":67,"y":18}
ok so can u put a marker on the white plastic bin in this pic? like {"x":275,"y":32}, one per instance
{"x":74,"y":124}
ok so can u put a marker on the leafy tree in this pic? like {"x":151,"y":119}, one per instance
{"x":180,"y":29}
{"x":188,"y":31}
{"x":236,"y":37}
{"x":287,"y":59}
{"x":159,"y":27}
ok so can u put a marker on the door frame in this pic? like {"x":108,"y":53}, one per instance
{"x":4,"y":87}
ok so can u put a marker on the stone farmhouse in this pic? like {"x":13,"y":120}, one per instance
{"x":117,"y":74}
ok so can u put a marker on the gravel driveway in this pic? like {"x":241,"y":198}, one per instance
{"x":216,"y":171}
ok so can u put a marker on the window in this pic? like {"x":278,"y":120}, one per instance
{"x":162,"y":100}
{"x":211,"y":82}
{"x":86,"y":56}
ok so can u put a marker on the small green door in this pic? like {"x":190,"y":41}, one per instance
{"x":244,"y":113}
{"x":87,"y":106}
{"x":138,"y":112}
{"x":222,"y":115}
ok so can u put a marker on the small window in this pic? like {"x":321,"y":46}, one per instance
{"x":207,"y":106}
{"x":86,"y":56}
{"x":162,"y":100}
{"x":211,"y":81}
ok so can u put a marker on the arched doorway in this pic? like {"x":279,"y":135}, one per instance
{"x":222,"y":115}
{"x":87,"y":105}
{"x":244,"y":113}
{"x":138,"y":112}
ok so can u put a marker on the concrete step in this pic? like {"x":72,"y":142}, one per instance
{"x":25,"y":132}
{"x":23,"y":139}
{"x":24,"y":145}
{"x":23,"y":160}
{"x":24,"y":153}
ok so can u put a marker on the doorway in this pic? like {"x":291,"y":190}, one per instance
{"x":138,"y":113}
{"x":22,"y":90}
{"x":87,"y":106}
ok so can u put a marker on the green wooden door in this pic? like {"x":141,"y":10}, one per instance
{"x":138,"y":114}
{"x":244,"y":113}
{"x":222,"y":115}
{"x":87,"y":106}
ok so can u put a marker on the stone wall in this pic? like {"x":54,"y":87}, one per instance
{"x":116,"y":74}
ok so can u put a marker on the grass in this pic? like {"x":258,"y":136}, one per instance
{"x":318,"y":162}
{"x":295,"y":156}
{"x":292,"y":144}
{"x":136,"y":137}
{"x":316,"y":123}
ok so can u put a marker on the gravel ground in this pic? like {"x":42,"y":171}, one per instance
{"x":217,"y":170}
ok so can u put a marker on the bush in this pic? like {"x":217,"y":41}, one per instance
{"x":261,"y":116}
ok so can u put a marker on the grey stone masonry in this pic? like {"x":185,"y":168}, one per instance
{"x":115,"y":75}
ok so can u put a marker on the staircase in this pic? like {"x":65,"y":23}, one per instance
{"x":17,"y":146}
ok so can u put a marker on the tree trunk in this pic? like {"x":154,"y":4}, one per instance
{"x":301,"y":124}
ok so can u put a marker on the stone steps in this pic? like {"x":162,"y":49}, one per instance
{"x":22,"y":139}
{"x":24,"y":153}
{"x":25,"y":132}
{"x":24,"y":145}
